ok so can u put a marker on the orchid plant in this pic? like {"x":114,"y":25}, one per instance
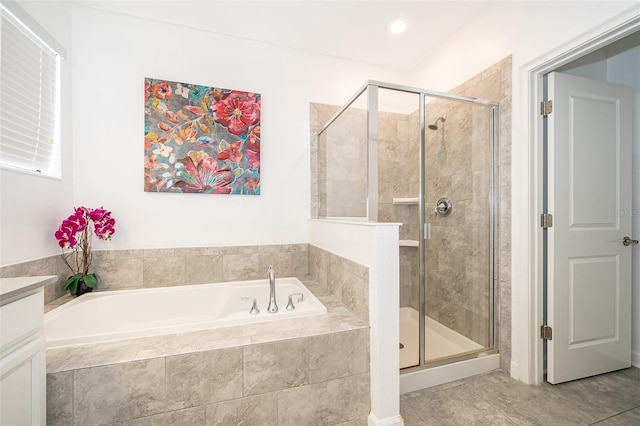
{"x":74,"y":237}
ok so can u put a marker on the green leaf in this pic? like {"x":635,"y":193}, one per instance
{"x":73,"y":279}
{"x":91,"y":280}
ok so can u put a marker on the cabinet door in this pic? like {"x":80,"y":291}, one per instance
{"x":22,"y":385}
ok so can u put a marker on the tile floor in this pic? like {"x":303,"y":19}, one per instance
{"x":496,"y":399}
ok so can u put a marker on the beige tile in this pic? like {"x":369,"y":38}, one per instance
{"x":270,"y":367}
{"x":90,"y":355}
{"x":336,"y":355}
{"x":163,"y":271}
{"x":203,"y":269}
{"x":60,"y":398}
{"x":331,"y":402}
{"x":204,"y":377}
{"x":120,"y":274}
{"x":242,"y":267}
{"x":252,"y":410}
{"x":190,"y":416}
{"x":119,"y":392}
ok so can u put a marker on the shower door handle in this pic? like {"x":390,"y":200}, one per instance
{"x":629,"y":242}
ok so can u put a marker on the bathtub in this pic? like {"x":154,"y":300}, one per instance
{"x":124,"y":314}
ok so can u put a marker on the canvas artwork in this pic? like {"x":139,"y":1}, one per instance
{"x":200,"y":139}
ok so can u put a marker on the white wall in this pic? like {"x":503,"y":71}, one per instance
{"x":112,"y":55}
{"x":526,"y":30}
{"x":32,"y":207}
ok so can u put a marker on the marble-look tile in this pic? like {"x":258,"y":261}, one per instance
{"x":119,"y":274}
{"x":274,"y":366}
{"x":271,"y":332}
{"x":60,"y":398}
{"x":331,"y":402}
{"x":602,"y":395}
{"x":361,"y":422}
{"x":163,"y":271}
{"x":281,"y":261}
{"x":300,"y":263}
{"x":525,"y":403}
{"x":459,"y":405}
{"x":119,"y":392}
{"x":409,"y":415}
{"x":336,"y":355}
{"x":190,"y":416}
{"x":242,"y":267}
{"x":90,"y":355}
{"x":204,"y":377}
{"x":203,"y":269}
{"x":252,"y":410}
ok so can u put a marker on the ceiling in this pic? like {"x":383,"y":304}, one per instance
{"x":355,"y":30}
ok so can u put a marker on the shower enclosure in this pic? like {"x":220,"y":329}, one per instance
{"x":426,"y":160}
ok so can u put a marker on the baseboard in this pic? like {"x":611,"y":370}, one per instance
{"x":389,"y":421}
{"x":635,"y":359}
{"x":514,"y":370}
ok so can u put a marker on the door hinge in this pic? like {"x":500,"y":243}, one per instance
{"x":546,"y":220}
{"x":546,"y":332}
{"x":546,"y":108}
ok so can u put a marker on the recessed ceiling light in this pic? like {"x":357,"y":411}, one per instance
{"x":397,"y":26}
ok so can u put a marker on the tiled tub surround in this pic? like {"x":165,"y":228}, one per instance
{"x":126,"y":269}
{"x":291,"y":372}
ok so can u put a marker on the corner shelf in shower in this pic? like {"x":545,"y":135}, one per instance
{"x":413,"y":200}
{"x":408,"y":243}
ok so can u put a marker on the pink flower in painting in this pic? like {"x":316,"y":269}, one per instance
{"x":232,"y":153}
{"x":237,"y":112}
{"x":152,"y":163}
{"x":254,"y":159}
{"x":161,"y":90}
{"x":200,"y":174}
{"x":147,"y":90}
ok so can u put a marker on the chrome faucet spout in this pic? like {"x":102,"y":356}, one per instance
{"x":273,"y":306}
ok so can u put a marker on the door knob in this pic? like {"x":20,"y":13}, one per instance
{"x":629,"y":242}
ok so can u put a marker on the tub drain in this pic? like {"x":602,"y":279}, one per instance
{"x":401,"y":346}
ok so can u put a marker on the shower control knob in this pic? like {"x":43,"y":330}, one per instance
{"x":443,"y":207}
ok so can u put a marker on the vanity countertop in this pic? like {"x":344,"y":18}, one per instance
{"x":12,"y":289}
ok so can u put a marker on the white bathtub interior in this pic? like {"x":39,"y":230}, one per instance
{"x":122,"y":314}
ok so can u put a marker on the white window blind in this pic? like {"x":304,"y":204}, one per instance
{"x":29,"y":77}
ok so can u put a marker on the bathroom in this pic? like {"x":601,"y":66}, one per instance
{"x":238,"y":237}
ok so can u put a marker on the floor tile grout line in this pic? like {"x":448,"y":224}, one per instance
{"x":615,"y":415}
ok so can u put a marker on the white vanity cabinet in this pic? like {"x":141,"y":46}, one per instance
{"x":22,"y":351}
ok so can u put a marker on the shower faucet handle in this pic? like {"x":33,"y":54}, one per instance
{"x":254,"y":307}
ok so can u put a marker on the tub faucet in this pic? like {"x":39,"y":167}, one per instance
{"x":273,"y":306}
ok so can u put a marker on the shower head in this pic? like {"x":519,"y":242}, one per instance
{"x":434,"y":126}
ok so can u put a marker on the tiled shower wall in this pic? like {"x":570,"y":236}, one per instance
{"x":457,"y":255}
{"x":495,"y":83}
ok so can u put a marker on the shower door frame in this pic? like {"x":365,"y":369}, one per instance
{"x":372,"y":87}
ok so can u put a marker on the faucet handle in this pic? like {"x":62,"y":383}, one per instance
{"x":290,"y":305}
{"x":254,"y":307}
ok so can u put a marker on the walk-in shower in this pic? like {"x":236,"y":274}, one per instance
{"x":378,"y":159}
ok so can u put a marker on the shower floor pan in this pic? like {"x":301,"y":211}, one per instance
{"x":440,"y":341}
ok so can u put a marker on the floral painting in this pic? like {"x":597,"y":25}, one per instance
{"x":200,"y":139}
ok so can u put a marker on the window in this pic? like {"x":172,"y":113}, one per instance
{"x":29,"y":95}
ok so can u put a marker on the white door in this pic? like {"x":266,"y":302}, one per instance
{"x":589,"y":196}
